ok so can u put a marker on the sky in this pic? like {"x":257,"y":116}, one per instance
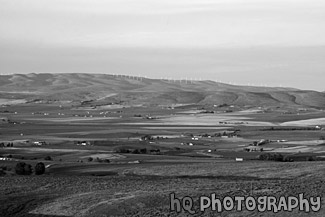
{"x":255,"y":42}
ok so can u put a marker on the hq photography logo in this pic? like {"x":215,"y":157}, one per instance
{"x":239,"y":203}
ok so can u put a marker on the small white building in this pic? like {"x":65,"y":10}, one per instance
{"x":5,"y":158}
{"x":39,"y":143}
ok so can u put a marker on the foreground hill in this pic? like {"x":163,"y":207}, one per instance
{"x":108,"y":89}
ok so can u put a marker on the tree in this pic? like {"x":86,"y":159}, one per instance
{"x":20,"y":168}
{"x":23,"y":169}
{"x":278,"y":157}
{"x":39,"y":168}
{"x":28,"y":169}
{"x":147,"y":137}
{"x":48,"y":158}
{"x":122,"y":150}
{"x":143,"y":151}
{"x":90,"y":159}
{"x":310,"y":158}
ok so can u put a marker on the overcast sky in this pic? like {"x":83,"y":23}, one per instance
{"x":272,"y":42}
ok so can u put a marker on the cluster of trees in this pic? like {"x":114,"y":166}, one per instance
{"x":138,"y":151}
{"x":229,"y":134}
{"x":289,"y":128}
{"x":148,"y":137}
{"x":223,"y":105}
{"x":271,"y":157}
{"x":47,"y":158}
{"x":207,"y":112}
{"x":26,"y":169}
{"x":10,"y":144}
{"x":100,"y":160}
{"x":219,"y":134}
{"x":281,"y":158}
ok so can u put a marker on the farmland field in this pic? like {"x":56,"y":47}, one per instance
{"x":107,"y":158}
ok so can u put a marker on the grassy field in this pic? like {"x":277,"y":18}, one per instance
{"x":144,"y":190}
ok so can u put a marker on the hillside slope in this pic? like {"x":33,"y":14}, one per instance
{"x":105,"y":89}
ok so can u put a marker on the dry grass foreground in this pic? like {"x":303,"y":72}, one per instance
{"x":145,"y":192}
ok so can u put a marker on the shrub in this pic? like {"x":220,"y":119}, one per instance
{"x":90,"y":159}
{"x":23,"y":169}
{"x":39,"y":168}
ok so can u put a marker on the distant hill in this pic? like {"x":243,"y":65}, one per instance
{"x":105,"y":89}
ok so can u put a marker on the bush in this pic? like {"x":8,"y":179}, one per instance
{"x":23,"y":169}
{"x":39,"y":168}
{"x":90,"y":159}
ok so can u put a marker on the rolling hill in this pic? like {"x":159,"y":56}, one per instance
{"x":107,"y":89}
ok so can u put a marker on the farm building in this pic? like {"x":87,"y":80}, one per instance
{"x":83,"y":143}
{"x":39,"y":143}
